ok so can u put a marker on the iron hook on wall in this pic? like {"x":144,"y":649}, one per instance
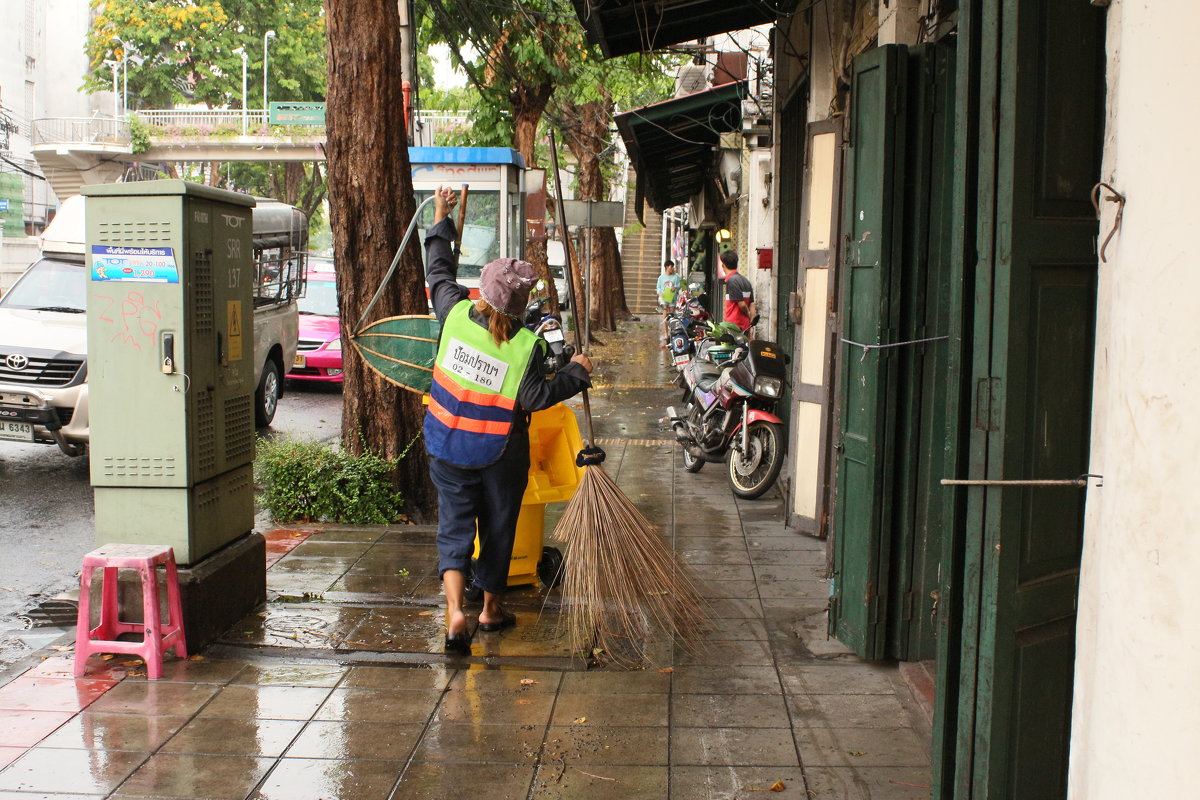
{"x":1113,"y":197}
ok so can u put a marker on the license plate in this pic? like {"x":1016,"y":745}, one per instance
{"x":684,"y":359}
{"x":553,"y":335}
{"x":299,"y":362}
{"x":17,"y":431}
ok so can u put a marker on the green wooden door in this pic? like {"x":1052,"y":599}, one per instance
{"x":1035,"y":288}
{"x":866,"y":402}
{"x":924,"y":296}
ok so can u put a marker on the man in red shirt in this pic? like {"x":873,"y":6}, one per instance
{"x":739,"y":294}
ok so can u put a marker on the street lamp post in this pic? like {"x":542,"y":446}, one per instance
{"x":116,"y":66}
{"x":242,"y":52}
{"x":267,"y":37}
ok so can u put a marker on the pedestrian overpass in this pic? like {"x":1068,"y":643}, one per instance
{"x":73,"y":152}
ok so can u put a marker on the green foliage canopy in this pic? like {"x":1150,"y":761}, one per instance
{"x":182,"y":51}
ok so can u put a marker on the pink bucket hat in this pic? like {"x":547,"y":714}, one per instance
{"x":505,"y":284}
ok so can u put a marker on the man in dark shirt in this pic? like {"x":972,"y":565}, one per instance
{"x":739,"y":293}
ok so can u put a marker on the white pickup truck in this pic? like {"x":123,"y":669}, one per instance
{"x":43,"y":327}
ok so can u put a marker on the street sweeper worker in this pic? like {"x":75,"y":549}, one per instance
{"x":489,"y":374}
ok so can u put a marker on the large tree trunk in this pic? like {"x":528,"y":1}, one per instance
{"x":586,"y":138}
{"x":371,"y":203}
{"x":528,"y":105}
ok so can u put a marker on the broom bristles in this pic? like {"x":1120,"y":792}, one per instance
{"x":622,"y":579}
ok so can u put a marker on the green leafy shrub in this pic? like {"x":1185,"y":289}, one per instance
{"x":139,"y":135}
{"x":305,"y":481}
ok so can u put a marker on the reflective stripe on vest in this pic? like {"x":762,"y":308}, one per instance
{"x":473,"y":400}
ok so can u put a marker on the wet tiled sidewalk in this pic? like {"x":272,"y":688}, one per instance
{"x":337,"y":688}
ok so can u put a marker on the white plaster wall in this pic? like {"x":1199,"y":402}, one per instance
{"x":65,"y":63}
{"x":760,"y":233}
{"x":1136,"y":730}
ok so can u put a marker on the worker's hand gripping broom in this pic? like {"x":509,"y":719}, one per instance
{"x":622,"y":582}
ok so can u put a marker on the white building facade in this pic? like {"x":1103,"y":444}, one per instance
{"x":42,"y":68}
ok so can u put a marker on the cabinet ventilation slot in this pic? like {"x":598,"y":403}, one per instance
{"x":202,"y":292}
{"x":135,"y":233}
{"x":134,"y":467}
{"x":206,"y":436}
{"x":239,"y":428}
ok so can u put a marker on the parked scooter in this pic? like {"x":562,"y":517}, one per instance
{"x":730,"y":412}
{"x":687,"y":324}
{"x":549,"y":327}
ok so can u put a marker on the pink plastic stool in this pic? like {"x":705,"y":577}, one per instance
{"x":156,"y":638}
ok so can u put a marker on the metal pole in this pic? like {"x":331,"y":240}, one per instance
{"x":244,"y":119}
{"x":124,"y":78}
{"x":116,"y":95}
{"x":267,"y":37}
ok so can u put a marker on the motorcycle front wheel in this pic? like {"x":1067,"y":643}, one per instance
{"x":691,"y":463}
{"x":752,"y":473}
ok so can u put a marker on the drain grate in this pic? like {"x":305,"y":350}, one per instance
{"x":51,"y":614}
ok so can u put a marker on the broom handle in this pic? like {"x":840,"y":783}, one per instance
{"x":462,"y":219}
{"x":571,"y":262}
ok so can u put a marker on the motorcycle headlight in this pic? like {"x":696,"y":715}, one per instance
{"x":336,"y":344}
{"x":768,"y":387}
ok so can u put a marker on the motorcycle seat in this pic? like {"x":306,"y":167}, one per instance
{"x":707,"y":375}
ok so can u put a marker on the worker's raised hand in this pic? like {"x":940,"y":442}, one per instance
{"x":444,"y":199}
{"x":583,"y":361}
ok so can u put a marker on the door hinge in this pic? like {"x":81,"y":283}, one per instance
{"x":987,"y":405}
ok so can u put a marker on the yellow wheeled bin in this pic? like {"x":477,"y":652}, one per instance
{"x":554,"y":441}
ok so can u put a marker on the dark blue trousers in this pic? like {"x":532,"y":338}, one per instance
{"x":491,"y":497}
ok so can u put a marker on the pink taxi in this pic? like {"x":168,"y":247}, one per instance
{"x":319,"y":353}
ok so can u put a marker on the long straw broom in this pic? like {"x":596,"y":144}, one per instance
{"x":622,"y":580}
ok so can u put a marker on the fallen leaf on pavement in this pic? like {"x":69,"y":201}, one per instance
{"x":196,"y":657}
{"x":667,"y":670}
{"x":528,"y":681}
{"x":62,"y":648}
{"x":581,"y":720}
{"x":777,"y":786}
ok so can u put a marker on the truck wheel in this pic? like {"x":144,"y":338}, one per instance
{"x":266,"y":398}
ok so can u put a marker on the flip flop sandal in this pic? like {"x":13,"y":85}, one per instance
{"x":458,"y":644}
{"x":507,"y":620}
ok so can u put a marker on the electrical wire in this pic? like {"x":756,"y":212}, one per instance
{"x":19,"y":168}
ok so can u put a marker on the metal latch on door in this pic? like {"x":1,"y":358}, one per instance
{"x":1081,"y":482}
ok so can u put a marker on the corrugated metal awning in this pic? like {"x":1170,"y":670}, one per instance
{"x":620,"y":27}
{"x":674,"y":144}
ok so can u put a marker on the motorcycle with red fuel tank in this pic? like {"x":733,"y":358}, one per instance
{"x":729,"y":414}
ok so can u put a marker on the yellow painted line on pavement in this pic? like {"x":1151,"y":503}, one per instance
{"x":634,"y":385}
{"x":637,"y":442}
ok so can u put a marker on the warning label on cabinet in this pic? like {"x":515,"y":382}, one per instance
{"x":234,"y":315}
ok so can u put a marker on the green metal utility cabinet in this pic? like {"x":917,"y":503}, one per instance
{"x":171,"y":376}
